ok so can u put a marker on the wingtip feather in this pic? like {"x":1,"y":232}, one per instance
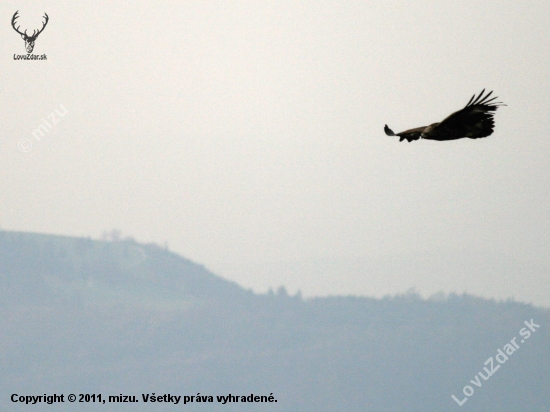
{"x":484,"y":100}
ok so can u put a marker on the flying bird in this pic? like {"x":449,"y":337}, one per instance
{"x":475,"y":120}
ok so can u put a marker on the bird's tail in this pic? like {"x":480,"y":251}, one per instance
{"x":388,"y":131}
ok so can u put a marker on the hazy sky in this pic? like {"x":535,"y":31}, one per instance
{"x":249,"y":136}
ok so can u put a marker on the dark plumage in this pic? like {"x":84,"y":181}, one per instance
{"x":475,"y":120}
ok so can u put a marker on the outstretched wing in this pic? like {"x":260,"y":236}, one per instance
{"x":475,"y":120}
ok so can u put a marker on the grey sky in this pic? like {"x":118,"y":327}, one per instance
{"x":249,"y":136}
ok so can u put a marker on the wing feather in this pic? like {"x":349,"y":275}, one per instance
{"x":475,"y":120}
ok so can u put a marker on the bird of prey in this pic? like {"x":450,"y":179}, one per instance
{"x":475,"y":120}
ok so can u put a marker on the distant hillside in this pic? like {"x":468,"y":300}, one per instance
{"x":102,"y":272}
{"x":111,"y":318}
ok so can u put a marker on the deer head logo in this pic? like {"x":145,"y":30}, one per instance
{"x":29,"y":40}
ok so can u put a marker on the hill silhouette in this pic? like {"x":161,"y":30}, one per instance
{"x":121,"y":318}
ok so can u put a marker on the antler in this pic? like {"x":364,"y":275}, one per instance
{"x":15,"y":16}
{"x":36,"y":33}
